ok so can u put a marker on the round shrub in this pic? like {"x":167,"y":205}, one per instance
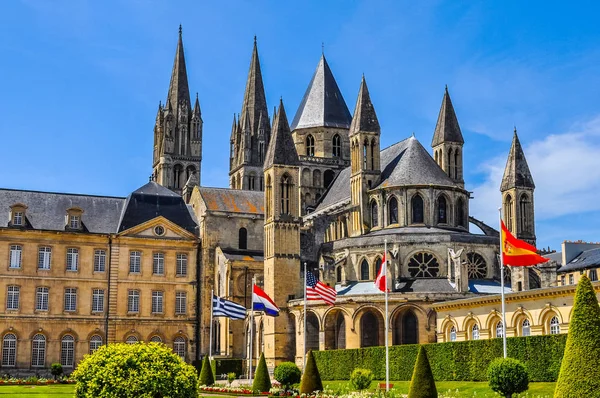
{"x":507,"y":376}
{"x":56,"y":370}
{"x":262,"y":380}
{"x":135,"y":371}
{"x":361,"y":379}
{"x":287,"y":373}
{"x":311,"y":379}
{"x":231,"y":377}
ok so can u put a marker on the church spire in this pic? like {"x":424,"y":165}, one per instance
{"x":255,"y":102}
{"x":178,"y":88}
{"x":516,"y":172}
{"x":447,"y":128}
{"x":364,"y":118}
{"x":282,"y":150}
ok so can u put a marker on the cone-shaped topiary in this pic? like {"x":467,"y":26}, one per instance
{"x":206,"y":374}
{"x":311,"y":380}
{"x":580,"y":368}
{"x":262,"y":381}
{"x":422,"y":384}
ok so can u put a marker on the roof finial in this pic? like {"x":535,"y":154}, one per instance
{"x":179,"y":29}
{"x":196,"y":96}
{"x":413,"y":134}
{"x":446,"y":88}
{"x":515,"y":130}
{"x":254,"y":39}
{"x":322,"y":48}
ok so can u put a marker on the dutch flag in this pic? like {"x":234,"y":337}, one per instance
{"x":262,"y":302}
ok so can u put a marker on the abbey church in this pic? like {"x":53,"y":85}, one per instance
{"x":78,"y":271}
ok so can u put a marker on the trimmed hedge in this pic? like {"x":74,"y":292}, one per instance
{"x":454,"y":361}
{"x":226,"y":366}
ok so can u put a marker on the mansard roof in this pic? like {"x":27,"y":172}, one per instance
{"x":281,"y":150}
{"x":447,"y":128}
{"x":233,"y":200}
{"x":516,"y":172}
{"x":322,"y":104}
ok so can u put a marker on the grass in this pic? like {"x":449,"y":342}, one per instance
{"x":51,"y":391}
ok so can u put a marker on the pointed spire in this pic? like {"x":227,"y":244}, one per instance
{"x":516,"y":172}
{"x":447,"y":128}
{"x":178,"y":87}
{"x":282,"y":150}
{"x":197,"y":106}
{"x":364,"y":118}
{"x":322,"y":104}
{"x":255,"y":101}
{"x":233,"y":128}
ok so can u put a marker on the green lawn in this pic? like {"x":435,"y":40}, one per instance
{"x":52,"y":391}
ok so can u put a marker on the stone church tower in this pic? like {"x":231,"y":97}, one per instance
{"x":364,"y":158}
{"x":282,"y":239}
{"x":250,"y":134}
{"x":178,"y":133}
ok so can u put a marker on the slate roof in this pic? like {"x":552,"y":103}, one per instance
{"x":587,"y":259}
{"x":47,"y":210}
{"x":322,"y":104}
{"x":447,"y":128}
{"x":364,"y":118}
{"x":153,"y":200}
{"x":516,"y":172}
{"x":233,"y":200}
{"x":281,"y":148}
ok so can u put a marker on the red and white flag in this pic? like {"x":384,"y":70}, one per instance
{"x":381,"y":281}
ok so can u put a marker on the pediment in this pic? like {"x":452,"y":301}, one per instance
{"x":158,"y":228}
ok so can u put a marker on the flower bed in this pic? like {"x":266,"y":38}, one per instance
{"x":229,"y":390}
{"x":12,"y":381}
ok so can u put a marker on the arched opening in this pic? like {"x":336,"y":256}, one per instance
{"x":9,"y":350}
{"x":337,"y":146}
{"x":365,"y":153}
{"x":406,"y":328}
{"x":377,"y":267}
{"x":499,"y":329}
{"x":312,"y":332}
{"x":442,"y":212}
{"x":417,"y":209}
{"x":460,"y":213}
{"x":269,"y":198}
{"x":179,"y":347}
{"x":524,"y":213}
{"x":67,"y":351}
{"x":310,"y":145}
{"x":243,"y":238}
{"x":177,"y":174}
{"x":554,"y":325}
{"x":526,"y":328}
{"x":452,"y":333}
{"x":156,"y":339}
{"x":373,"y":149}
{"x":393,"y":211}
{"x":251,"y":182}
{"x":38,"y":351}
{"x":131,"y":340}
{"x":338,"y":274}
{"x":285,"y":186}
{"x":508,"y":212}
{"x":374,"y":214}
{"x":450,"y":161}
{"x":317,"y":178}
{"x":306,"y":177}
{"x":369,"y":327}
{"x":335,"y":331}
{"x":364,"y":270}
{"x":456,"y":165}
{"x":475,"y":332}
{"x":328,"y":177}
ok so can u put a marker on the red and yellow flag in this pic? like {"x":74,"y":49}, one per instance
{"x":516,"y":252}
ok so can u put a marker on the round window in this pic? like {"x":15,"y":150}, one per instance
{"x":159,"y":230}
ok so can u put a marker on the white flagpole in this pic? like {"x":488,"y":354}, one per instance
{"x":387,"y":352}
{"x":252,"y":325}
{"x":210,"y":342}
{"x":304,"y":346}
{"x":502,"y":286}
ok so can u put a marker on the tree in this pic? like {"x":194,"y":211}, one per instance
{"x":507,"y":376}
{"x":56,"y":369}
{"x":311,"y":380}
{"x":580,"y":368}
{"x":206,"y":374}
{"x":138,"y":370}
{"x":422,"y":384}
{"x":262,"y":381}
{"x":287,"y":373}
{"x":361,"y":378}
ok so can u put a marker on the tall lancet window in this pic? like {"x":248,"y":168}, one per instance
{"x":523,"y":213}
{"x":508,"y":212}
{"x":269,"y":197}
{"x":286,"y":188}
{"x":393,"y":211}
{"x":261,"y":152}
{"x":365,"y":152}
{"x":417,"y":209}
{"x":442,"y":211}
{"x":337,"y":146}
{"x":310,"y":145}
{"x":373,"y":154}
{"x":374,"y":214}
{"x":456,"y":165}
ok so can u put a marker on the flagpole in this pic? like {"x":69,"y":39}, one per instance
{"x":252,"y":325}
{"x":210,"y":342}
{"x":502,"y":286}
{"x":387,"y":352}
{"x":304,"y":334}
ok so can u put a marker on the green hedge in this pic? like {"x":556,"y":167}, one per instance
{"x":460,"y":361}
{"x":225,"y":366}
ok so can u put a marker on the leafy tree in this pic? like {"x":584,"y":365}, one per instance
{"x":361,"y":378}
{"x":507,"y":376}
{"x":138,"y":370}
{"x":56,"y":370}
{"x":311,"y":380}
{"x":262,"y":381}
{"x":287,"y":373}
{"x":422,"y":384}
{"x":580,"y":368}
{"x":206,"y":374}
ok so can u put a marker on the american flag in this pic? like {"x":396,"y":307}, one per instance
{"x":317,"y":290}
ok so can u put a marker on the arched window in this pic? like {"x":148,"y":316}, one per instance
{"x":312,"y":332}
{"x":177,"y":175}
{"x":452,"y":333}
{"x":526,"y":328}
{"x":95,"y":343}
{"x":374,"y":214}
{"x":450,"y":165}
{"x":317,"y":178}
{"x":442,"y":212}
{"x":67,"y":351}
{"x":310,"y":145}
{"x":156,"y":339}
{"x":338,"y":274}
{"x":377,"y":267}
{"x":9,"y":350}
{"x":337,"y":146}
{"x":365,"y":147}
{"x":38,"y":351}
{"x":417,"y":209}
{"x":508,"y":212}
{"x":131,"y":340}
{"x":410,"y":328}
{"x":364,"y":270}
{"x":179,"y":346}
{"x":456,"y":165}
{"x":475,"y":332}
{"x":460,"y":213}
{"x":328,"y":177}
{"x":524,"y":213}
{"x":261,"y":152}
{"x":499,"y":329}
{"x":269,"y":198}
{"x":393,"y":211}
{"x":243,"y":239}
{"x":251,"y":182}
{"x":373,"y":147}
{"x":554,"y":325}
{"x":285,"y":186}
{"x":369,"y":325}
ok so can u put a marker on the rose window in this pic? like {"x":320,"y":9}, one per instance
{"x":423,"y":265}
{"x":476,"y":266}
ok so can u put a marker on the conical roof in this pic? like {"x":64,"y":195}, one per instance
{"x":281,"y":149}
{"x":364,"y":118}
{"x":322,"y":104}
{"x":178,"y":87}
{"x":516,"y":172}
{"x":447,"y":128}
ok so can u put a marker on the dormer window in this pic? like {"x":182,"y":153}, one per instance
{"x":73,"y":218}
{"x":17,"y":215}
{"x":74,"y":222}
{"x":18,"y":218}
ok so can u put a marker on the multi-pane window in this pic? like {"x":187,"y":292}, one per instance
{"x":554,"y":325}
{"x":74,"y":222}
{"x":452,"y":333}
{"x":12,"y":298}
{"x":499,"y":329}
{"x":180,"y":302}
{"x":133,"y":301}
{"x":9,"y":350}
{"x":41,"y":298}
{"x":563,"y":280}
{"x":38,"y":351}
{"x":475,"y":332}
{"x":593,"y":275}
{"x":135,"y":260}
{"x":67,"y":351}
{"x":95,"y":343}
{"x":156,"y":339}
{"x":157,"y":302}
{"x":15,"y":256}
{"x":99,"y":260}
{"x":526,"y":328}
{"x":182,"y":261}
{"x":158,"y":264}
{"x":131,"y":340}
{"x":310,"y":145}
{"x":571,"y":279}
{"x":17,"y":218}
{"x":337,"y":146}
{"x":179,"y":346}
{"x":72,"y":259}
{"x":97,"y":300}
{"x":70,"y":299}
{"x":44,"y":257}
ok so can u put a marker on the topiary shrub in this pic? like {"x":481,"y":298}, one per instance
{"x":231,"y":377}
{"x":56,"y":370}
{"x":311,"y":380}
{"x":207,"y":378}
{"x":287,"y":373}
{"x":361,"y":379}
{"x":262,"y":381}
{"x":580,"y":369}
{"x":135,"y":371}
{"x":507,"y":376}
{"x":422,"y":384}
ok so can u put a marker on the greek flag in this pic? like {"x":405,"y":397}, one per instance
{"x":228,"y":309}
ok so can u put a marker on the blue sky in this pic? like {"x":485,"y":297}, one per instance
{"x":81,"y":82}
